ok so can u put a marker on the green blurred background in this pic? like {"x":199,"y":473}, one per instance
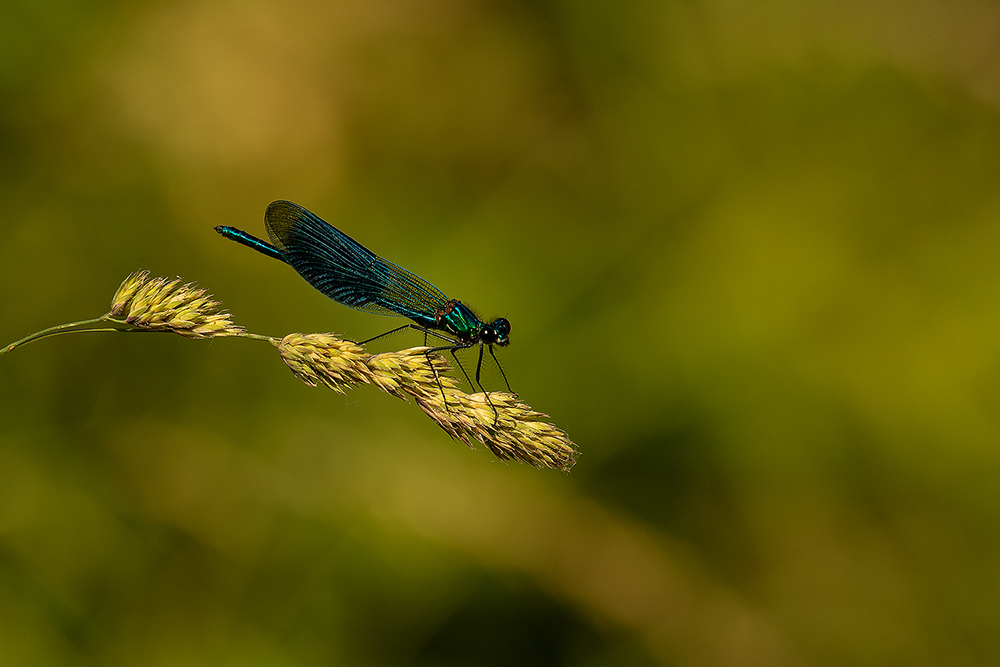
{"x":749,"y":253}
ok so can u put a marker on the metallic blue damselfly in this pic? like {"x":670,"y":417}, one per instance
{"x":347,"y":272}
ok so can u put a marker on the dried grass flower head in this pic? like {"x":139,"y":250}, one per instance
{"x":508,"y":428}
{"x":163,"y":304}
{"x":324,"y":359}
{"x":513,"y":432}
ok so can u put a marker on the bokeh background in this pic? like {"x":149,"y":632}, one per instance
{"x":749,"y":252}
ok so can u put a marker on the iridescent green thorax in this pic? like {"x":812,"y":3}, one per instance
{"x":457,"y":319}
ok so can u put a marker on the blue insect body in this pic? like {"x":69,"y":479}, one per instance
{"x":347,"y":272}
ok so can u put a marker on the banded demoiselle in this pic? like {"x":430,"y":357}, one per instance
{"x":347,"y":272}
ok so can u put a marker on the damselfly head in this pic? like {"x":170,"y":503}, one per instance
{"x":496,"y":332}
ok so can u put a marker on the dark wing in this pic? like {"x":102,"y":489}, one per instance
{"x":346,"y":271}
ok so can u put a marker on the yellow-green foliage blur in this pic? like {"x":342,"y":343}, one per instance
{"x":750,"y":253}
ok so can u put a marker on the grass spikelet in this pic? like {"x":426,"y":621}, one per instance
{"x":127,"y":290}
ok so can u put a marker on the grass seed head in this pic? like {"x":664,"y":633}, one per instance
{"x":513,"y":432}
{"x":322,"y":358}
{"x":161,"y":304}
